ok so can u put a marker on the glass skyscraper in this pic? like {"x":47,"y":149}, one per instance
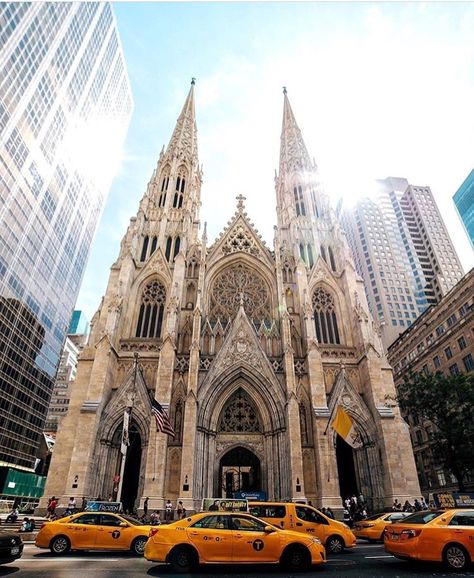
{"x":464,"y":201}
{"x":65,"y":106}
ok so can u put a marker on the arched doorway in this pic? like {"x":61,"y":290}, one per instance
{"x":239,"y":471}
{"x":131,"y":476}
{"x":346,"y":468}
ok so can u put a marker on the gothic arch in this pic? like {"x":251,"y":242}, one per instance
{"x":248,"y":273}
{"x":340,"y":309}
{"x":136,"y":303}
{"x":269,"y":402}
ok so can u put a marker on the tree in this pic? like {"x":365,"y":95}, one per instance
{"x":447,"y":402}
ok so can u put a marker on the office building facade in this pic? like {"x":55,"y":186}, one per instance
{"x":64,"y":100}
{"x":464,"y":201}
{"x":403,"y":252}
{"x":442,"y":339}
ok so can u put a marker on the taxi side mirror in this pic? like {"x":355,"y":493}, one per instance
{"x":269,"y":529}
{"x":123,"y":525}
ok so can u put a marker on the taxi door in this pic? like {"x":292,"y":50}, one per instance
{"x":460,"y":529}
{"x":110,"y":535}
{"x":311,"y":522}
{"x":251,"y":543}
{"x":212,"y":538}
{"x":82,"y":531}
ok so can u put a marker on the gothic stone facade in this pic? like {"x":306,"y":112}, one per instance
{"x":249,"y":349}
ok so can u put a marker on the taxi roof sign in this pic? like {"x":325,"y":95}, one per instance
{"x":224,"y":505}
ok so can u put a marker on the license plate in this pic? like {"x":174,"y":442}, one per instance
{"x":15,"y":550}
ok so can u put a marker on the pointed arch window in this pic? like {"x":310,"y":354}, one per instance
{"x":323,"y":253}
{"x":153,"y":245}
{"x":331,"y":259}
{"x":169,"y":242}
{"x":239,"y":415}
{"x":310,"y":256}
{"x":144,"y":248}
{"x":177,"y":244}
{"x":150,"y":317}
{"x":315,"y":204}
{"x":299,"y":202}
{"x":302,"y":251}
{"x":325,"y":317}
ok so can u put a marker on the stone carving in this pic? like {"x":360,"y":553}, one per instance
{"x":154,"y":293}
{"x":239,"y":415}
{"x":240,"y":239}
{"x":237,"y":283}
{"x":241,"y":350}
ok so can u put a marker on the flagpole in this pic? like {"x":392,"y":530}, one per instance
{"x":129,"y":405}
{"x":329,"y":420}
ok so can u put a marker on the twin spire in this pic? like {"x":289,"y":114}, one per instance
{"x":293,"y":152}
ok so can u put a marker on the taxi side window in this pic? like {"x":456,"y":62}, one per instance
{"x":108,"y":520}
{"x":247,"y":525}
{"x":212,"y":522}
{"x":89,"y":519}
{"x":309,"y":515}
{"x":268,"y":511}
{"x":462,"y":519}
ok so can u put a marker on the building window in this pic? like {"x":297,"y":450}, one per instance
{"x":144,"y":249}
{"x":325,"y":317}
{"x":462,"y":343}
{"x":440,"y":330}
{"x":150,"y":317}
{"x":454,"y":369}
{"x":169,"y":241}
{"x":299,"y":202}
{"x":436,"y":361}
{"x":331,"y":259}
{"x":448,"y":352}
{"x":468,"y":362}
{"x":177,"y":243}
{"x":441,"y":477}
{"x":451,"y":320}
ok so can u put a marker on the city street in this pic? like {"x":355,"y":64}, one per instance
{"x":366,"y":560}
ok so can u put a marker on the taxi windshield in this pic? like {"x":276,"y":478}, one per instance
{"x":421,"y":517}
{"x":375,"y":516}
{"x":131,"y":520}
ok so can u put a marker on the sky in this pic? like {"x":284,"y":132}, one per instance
{"x":377,"y":89}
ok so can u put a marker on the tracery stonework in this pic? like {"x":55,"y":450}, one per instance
{"x":240,"y":240}
{"x":154,"y":293}
{"x":239,"y":415}
{"x":236,"y":283}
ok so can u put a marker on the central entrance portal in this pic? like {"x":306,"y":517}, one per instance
{"x":239,"y":471}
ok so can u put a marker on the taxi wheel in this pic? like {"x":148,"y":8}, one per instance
{"x":455,"y":557}
{"x":60,"y":545}
{"x":138,"y":545}
{"x":335,"y":544}
{"x":296,"y":559}
{"x":183,"y":559}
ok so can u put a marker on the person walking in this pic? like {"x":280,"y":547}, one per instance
{"x":180,"y":510}
{"x":168,"y":511}
{"x":145,"y":507}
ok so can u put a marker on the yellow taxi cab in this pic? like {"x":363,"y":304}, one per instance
{"x":372,"y":528}
{"x":303,"y":518}
{"x":435,"y":535}
{"x":230,"y":537}
{"x":93,"y":531}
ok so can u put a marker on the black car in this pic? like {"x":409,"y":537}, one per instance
{"x":11,"y":547}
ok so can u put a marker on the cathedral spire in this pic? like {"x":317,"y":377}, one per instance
{"x":293,"y":152}
{"x":183,"y":143}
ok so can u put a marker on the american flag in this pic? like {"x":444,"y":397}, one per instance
{"x":162,"y":419}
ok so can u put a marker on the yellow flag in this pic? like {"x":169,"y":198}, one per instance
{"x":343,"y":425}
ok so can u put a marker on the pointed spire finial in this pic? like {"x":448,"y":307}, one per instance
{"x":193,"y":81}
{"x":284,"y":90}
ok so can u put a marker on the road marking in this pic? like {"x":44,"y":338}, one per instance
{"x":379,"y":556}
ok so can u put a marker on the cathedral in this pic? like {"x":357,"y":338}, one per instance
{"x":249,"y":349}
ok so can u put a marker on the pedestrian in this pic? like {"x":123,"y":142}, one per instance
{"x":361,"y":499}
{"x":347,"y":517}
{"x":13,"y":515}
{"x":51,"y":513}
{"x":155,"y":519}
{"x":397,"y":507}
{"x":424,"y":505}
{"x":418,"y":506}
{"x":71,"y":506}
{"x":84,"y":503}
{"x":407,"y":507}
{"x":168,"y":511}
{"x":145,"y":507}
{"x":330,"y":513}
{"x":324,"y":511}
{"x":180,"y":510}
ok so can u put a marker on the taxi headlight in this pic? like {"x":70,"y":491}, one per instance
{"x":316,"y":540}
